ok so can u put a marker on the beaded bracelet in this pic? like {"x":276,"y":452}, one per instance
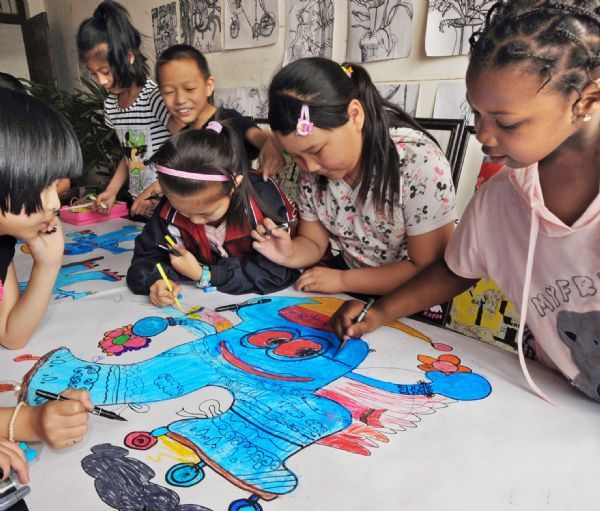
{"x":13,"y":418}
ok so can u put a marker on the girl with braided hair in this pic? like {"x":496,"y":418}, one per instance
{"x":533,"y":82}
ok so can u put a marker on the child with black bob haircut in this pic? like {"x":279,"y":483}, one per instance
{"x":212,"y":203}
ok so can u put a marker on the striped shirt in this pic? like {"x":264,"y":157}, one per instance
{"x":142,"y":129}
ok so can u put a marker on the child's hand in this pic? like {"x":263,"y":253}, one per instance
{"x":271,"y":158}
{"x":160,"y":294}
{"x":186,"y":264}
{"x":12,"y":457}
{"x":48,"y":247}
{"x":321,"y":280}
{"x":275,"y":244}
{"x":104,"y":202}
{"x":62,"y":423}
{"x":343,"y":321}
{"x":143,"y":204}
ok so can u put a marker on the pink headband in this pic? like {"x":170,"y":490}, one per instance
{"x":191,"y":175}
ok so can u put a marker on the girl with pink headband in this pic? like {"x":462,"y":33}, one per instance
{"x":211,"y":204}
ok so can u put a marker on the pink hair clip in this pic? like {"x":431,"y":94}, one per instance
{"x":304,"y":126}
{"x":214,"y":126}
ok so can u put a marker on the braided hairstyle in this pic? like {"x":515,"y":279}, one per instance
{"x":560,"y":39}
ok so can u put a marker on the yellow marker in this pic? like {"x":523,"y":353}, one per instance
{"x":169,"y":286}
{"x":170,"y":241}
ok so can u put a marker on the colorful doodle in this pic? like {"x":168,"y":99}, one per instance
{"x":289,"y":391}
{"x":87,"y":240}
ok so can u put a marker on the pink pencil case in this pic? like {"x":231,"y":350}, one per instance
{"x":84,"y":215}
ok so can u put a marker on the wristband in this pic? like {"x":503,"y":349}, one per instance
{"x":204,"y":278}
{"x":13,"y":418}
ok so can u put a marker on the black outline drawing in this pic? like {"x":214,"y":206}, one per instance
{"x":235,"y":98}
{"x":201,"y":24}
{"x":260,"y":21}
{"x":470,"y":17}
{"x":312,"y":33}
{"x":164,"y":26}
{"x":401,"y":94}
{"x":258,"y":101}
{"x":375,"y":17}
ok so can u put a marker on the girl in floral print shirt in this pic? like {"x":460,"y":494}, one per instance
{"x":372,"y":179}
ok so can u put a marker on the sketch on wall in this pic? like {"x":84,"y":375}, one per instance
{"x":201,"y":24}
{"x":250,"y":23}
{"x":236,"y":99}
{"x":164,"y":27}
{"x":309,"y":29}
{"x":379,"y":30}
{"x":450,"y":24}
{"x":258,"y":99}
{"x":451,"y":102}
{"x":405,"y":95}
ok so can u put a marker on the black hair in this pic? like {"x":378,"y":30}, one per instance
{"x":37,"y":147}
{"x":560,"y":39}
{"x":325,"y":87}
{"x":10,"y":82}
{"x":182,"y":52}
{"x":112,"y":26}
{"x":204,"y":151}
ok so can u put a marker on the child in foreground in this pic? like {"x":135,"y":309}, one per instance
{"x":211,"y":205}
{"x":371,"y":178}
{"x":37,"y":149}
{"x":534,"y":85}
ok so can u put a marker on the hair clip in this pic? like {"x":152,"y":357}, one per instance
{"x":348,"y":70}
{"x":214,"y":126}
{"x":304,"y":126}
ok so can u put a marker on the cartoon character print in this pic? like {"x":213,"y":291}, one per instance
{"x":289,"y":386}
{"x":580,"y":331}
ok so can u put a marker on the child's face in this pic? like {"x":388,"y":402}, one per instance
{"x":207,"y":207}
{"x":184,"y":89}
{"x":333,"y":153}
{"x":97,"y":64}
{"x":517,"y":123}
{"x":26,"y":227}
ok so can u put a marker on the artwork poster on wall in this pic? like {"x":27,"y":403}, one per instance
{"x":250,"y":23}
{"x":201,"y":24}
{"x":405,"y":95}
{"x":164,"y":26}
{"x":450,"y":24}
{"x":379,"y":30}
{"x":309,"y":29}
{"x":451,"y":102}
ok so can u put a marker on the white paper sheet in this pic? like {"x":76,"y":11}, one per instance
{"x":201,"y":24}
{"x":405,"y":95}
{"x":451,"y":102}
{"x":250,"y":23}
{"x":164,"y":26}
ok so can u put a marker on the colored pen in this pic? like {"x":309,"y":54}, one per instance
{"x":171,"y":250}
{"x":358,"y":319}
{"x":169,"y":286}
{"x":12,"y":498}
{"x":236,"y":306}
{"x":76,"y":206}
{"x":93,"y":197}
{"x":284,"y":225}
{"x":170,"y":241}
{"x":96,"y":411}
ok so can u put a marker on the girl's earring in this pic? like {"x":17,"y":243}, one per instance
{"x":587,"y":118}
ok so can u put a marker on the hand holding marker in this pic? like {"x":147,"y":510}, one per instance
{"x":358,"y":319}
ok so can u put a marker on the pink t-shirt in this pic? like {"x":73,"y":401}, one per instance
{"x":564,"y":298}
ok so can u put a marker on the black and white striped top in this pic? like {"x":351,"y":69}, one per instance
{"x":142,"y":129}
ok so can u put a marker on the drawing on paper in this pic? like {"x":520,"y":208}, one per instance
{"x":236,"y":99}
{"x":451,"y":102}
{"x":289,"y":389}
{"x":164,"y":27}
{"x":450,"y":24}
{"x":124,"y":483}
{"x":87,"y":240}
{"x":201,"y":24}
{"x":405,"y":95}
{"x":250,"y":23}
{"x":258,"y":99}
{"x":74,"y":273}
{"x":379,"y":30}
{"x":309,"y":29}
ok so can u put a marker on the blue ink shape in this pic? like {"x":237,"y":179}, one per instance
{"x":274,"y":374}
{"x":88,"y":241}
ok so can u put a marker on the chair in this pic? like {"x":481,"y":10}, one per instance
{"x":448,"y":133}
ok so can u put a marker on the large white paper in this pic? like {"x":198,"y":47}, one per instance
{"x":164,"y":26}
{"x":405,"y":95}
{"x":451,"y":102}
{"x":309,"y":29}
{"x":250,"y":23}
{"x":201,"y":24}
{"x":236,"y":99}
{"x":379,"y":30}
{"x":450,"y":24}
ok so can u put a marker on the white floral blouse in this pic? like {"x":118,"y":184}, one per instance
{"x":368,"y":238}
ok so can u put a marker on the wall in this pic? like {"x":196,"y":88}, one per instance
{"x":12,"y":51}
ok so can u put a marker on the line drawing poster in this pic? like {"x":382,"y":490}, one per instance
{"x":234,"y":98}
{"x":450,"y":24}
{"x":451,"y":102}
{"x":201,"y":24}
{"x":164,"y":27}
{"x":308,"y":29}
{"x":405,"y":95}
{"x":379,"y":30}
{"x":251,"y":23}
